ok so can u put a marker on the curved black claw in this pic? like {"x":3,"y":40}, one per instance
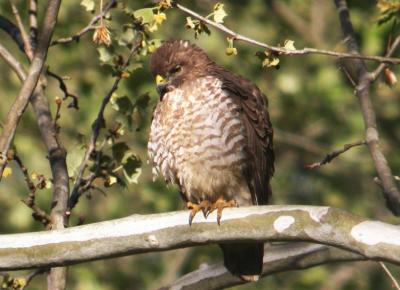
{"x":220,"y":204}
{"x":194,"y":209}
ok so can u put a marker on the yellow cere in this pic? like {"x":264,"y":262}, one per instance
{"x":159,"y":80}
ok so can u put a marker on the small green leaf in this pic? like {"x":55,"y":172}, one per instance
{"x":19,"y":283}
{"x":189,"y":23}
{"x":122,"y":104}
{"x":74,"y":160}
{"x":134,"y":66}
{"x":143,"y":101}
{"x":270,"y":61}
{"x":197,"y":26}
{"x":145,"y":15}
{"x":132,"y":168}
{"x":388,"y":9}
{"x":269,"y":58}
{"x":289,"y":44}
{"x":119,"y":150}
{"x":88,"y":4}
{"x":164,"y":4}
{"x":159,"y":18}
{"x":127,"y":36}
{"x":104,"y":55}
{"x":219,"y":13}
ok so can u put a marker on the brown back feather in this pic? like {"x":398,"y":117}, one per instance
{"x":258,"y":129}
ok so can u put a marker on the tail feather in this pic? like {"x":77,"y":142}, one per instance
{"x":244,"y":259}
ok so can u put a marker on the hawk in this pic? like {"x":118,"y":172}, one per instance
{"x":211,"y":135}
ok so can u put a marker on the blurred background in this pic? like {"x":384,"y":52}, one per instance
{"x":312,"y":107}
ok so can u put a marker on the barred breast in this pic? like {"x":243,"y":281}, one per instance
{"x":197,"y":141}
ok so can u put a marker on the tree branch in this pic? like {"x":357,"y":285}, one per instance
{"x":329,"y":157}
{"x":33,"y":26}
{"x":57,"y":159}
{"x":395,"y":284}
{"x":24,"y":35}
{"x":63,"y":87}
{"x":91,"y":26}
{"x":382,"y":66}
{"x":96,"y":126}
{"x":363,"y":80}
{"x":277,"y":258}
{"x":159,"y":232}
{"x":19,"y":106}
{"x":282,"y":50}
{"x":13,"y":31}
{"x":38,"y":214}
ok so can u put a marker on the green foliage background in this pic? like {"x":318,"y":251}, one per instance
{"x":313,"y":110}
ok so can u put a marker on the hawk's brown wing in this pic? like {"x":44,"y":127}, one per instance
{"x":246,"y":259}
{"x":259,"y":133}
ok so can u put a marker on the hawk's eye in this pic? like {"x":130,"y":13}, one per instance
{"x":176,"y":69}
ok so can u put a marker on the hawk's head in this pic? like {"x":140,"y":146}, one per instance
{"x":176,"y":62}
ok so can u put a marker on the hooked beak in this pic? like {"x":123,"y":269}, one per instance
{"x":161,"y":85}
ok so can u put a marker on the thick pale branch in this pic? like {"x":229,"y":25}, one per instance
{"x":277,"y":258}
{"x":160,"y":232}
{"x":282,"y":50}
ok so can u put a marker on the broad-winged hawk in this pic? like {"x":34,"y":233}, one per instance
{"x":212,"y":136}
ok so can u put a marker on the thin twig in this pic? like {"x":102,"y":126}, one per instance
{"x":329,"y":157}
{"x":97,"y":125}
{"x":28,"y":180}
{"x":282,"y":50}
{"x":395,"y":284}
{"x":63,"y":87}
{"x":32,"y":275}
{"x":363,"y":80}
{"x":38,"y":214}
{"x":348,"y":75}
{"x":12,"y":62}
{"x":382,"y":66}
{"x":57,"y":117}
{"x":91,"y":26}
{"x":24,"y":34}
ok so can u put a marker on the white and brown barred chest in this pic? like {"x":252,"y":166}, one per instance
{"x":197,"y":141}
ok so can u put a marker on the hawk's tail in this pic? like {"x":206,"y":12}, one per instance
{"x":244,"y":259}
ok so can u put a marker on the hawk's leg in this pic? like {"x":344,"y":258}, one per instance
{"x":220,"y":204}
{"x":204,"y":206}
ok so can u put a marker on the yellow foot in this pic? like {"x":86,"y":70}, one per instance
{"x":219,"y":205}
{"x":204,"y":206}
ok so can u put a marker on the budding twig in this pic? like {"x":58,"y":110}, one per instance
{"x":329,"y":157}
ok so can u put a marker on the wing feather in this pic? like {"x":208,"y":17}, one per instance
{"x":259,"y":132}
